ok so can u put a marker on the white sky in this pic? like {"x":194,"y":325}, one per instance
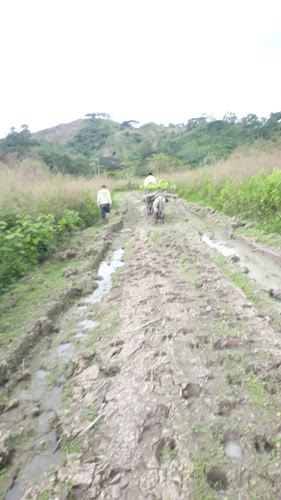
{"x":146,"y":60}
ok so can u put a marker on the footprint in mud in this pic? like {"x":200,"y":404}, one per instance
{"x":166,"y":450}
{"x":190,"y":390}
{"x":227,"y":342}
{"x":217,"y":478}
{"x":262,"y":446}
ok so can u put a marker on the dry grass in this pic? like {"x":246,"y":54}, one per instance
{"x":237,"y":169}
{"x":29,"y":187}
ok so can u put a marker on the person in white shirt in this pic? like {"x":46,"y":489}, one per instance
{"x":104,"y":203}
{"x":148,"y":179}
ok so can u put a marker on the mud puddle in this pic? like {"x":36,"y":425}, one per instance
{"x":261,"y":270}
{"x":106,"y":269}
{"x":74,"y":327}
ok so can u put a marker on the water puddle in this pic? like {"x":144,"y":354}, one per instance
{"x":219,"y":246}
{"x":44,"y":421}
{"x":53,"y":399}
{"x":232,"y":449}
{"x":75,"y":320}
{"x":65,"y":351}
{"x":16,"y":492}
{"x":88,"y":324}
{"x":46,"y":454}
{"x":36,"y":386}
{"x":81,"y":336}
{"x":41,"y":461}
{"x":261,"y":270}
{"x":105,"y":271}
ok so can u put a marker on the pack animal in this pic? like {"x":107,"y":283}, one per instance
{"x":159,"y":208}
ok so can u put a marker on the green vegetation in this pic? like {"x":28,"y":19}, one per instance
{"x":29,"y":241}
{"x":45,"y":495}
{"x":256,"y":386}
{"x":154,"y":237}
{"x":268,"y":239}
{"x":99,"y":144}
{"x":74,"y":447}
{"x":255,"y":197}
{"x":38,"y":212}
{"x":168,"y":454}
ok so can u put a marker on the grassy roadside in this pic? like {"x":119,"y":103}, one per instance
{"x":48,"y":290}
{"x":248,"y":187}
{"x":38,"y":211}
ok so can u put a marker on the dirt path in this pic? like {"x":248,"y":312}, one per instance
{"x":173,"y":393}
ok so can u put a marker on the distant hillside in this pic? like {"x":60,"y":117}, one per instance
{"x":98,"y":144}
{"x":61,"y":132}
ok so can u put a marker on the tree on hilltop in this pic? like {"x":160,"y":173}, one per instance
{"x":105,"y":116}
{"x":129,"y":124}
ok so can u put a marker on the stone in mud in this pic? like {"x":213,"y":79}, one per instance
{"x":187,"y":467}
{"x":80,"y":428}
{"x":69,"y":272}
{"x":23,"y":375}
{"x":67,"y":254}
{"x":227,"y":342}
{"x":61,"y":492}
{"x":276,"y":294}
{"x":63,"y":474}
{"x":171,"y":489}
{"x":109,"y":396}
{"x":88,"y":285}
{"x":73,"y":292}
{"x":5,"y":448}
{"x":249,"y":224}
{"x":33,"y":412}
{"x":115,"y":492}
{"x":190,"y":390}
{"x":84,"y":381}
{"x":91,"y":250}
{"x":45,"y":325}
{"x":234,"y":258}
{"x":14,"y":403}
{"x":224,"y":407}
{"x":4,"y":372}
{"x":83,"y":476}
{"x":245,"y":270}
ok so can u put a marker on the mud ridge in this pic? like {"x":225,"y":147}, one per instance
{"x":45,"y":324}
{"x":178,"y":397}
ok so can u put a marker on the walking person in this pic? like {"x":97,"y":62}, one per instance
{"x":104,"y":203}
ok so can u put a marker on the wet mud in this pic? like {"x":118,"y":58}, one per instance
{"x":161,"y":383}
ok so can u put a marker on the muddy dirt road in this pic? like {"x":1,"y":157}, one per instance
{"x":164,"y":381}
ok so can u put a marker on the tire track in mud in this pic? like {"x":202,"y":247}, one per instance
{"x":183,"y":386}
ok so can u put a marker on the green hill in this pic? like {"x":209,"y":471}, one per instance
{"x":98,"y":144}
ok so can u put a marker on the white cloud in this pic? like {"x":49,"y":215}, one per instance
{"x":162,"y":61}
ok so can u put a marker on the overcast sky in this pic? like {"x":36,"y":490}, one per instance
{"x":147,"y":60}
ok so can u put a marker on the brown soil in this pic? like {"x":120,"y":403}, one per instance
{"x":180,"y":397}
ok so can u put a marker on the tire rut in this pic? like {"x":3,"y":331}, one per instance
{"x":183,"y":386}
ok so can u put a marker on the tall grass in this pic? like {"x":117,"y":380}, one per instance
{"x":30,"y":188}
{"x":249,"y":187}
{"x":37,"y":210}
